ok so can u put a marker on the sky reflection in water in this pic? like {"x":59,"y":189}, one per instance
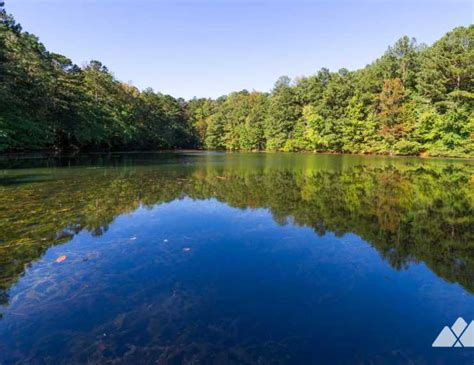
{"x":234,"y":258}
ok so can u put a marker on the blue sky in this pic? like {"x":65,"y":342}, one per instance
{"x":209,"y":48}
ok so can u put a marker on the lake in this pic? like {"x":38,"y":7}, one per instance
{"x":234,"y":258}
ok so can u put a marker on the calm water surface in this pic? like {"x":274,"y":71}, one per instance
{"x":210,"y":258}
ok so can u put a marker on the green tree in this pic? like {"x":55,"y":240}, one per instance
{"x":283,"y":112}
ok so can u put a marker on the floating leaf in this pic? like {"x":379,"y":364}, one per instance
{"x":61,"y":259}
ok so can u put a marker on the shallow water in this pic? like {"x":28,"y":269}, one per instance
{"x":213,"y":258}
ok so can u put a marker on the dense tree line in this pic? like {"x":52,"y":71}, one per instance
{"x":47,"y":102}
{"x":413,"y":100}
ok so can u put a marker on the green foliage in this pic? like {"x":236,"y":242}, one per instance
{"x":283,"y":113}
{"x":47,"y":102}
{"x":233,"y":122}
{"x":414,"y":99}
{"x":448,"y":66}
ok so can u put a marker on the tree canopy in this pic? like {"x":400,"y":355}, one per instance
{"x":413,"y":100}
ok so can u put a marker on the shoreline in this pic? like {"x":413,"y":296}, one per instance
{"x":58,"y":154}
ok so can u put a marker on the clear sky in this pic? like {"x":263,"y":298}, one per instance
{"x":207,"y":48}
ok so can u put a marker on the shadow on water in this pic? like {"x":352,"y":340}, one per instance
{"x":24,"y":179}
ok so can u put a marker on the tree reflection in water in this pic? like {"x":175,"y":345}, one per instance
{"x":409,"y":210}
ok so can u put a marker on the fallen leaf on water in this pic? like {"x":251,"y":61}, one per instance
{"x":61,"y":259}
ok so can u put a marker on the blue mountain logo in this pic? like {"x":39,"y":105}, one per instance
{"x":460,"y":334}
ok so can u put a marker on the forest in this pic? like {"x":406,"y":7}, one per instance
{"x":414,"y":100}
